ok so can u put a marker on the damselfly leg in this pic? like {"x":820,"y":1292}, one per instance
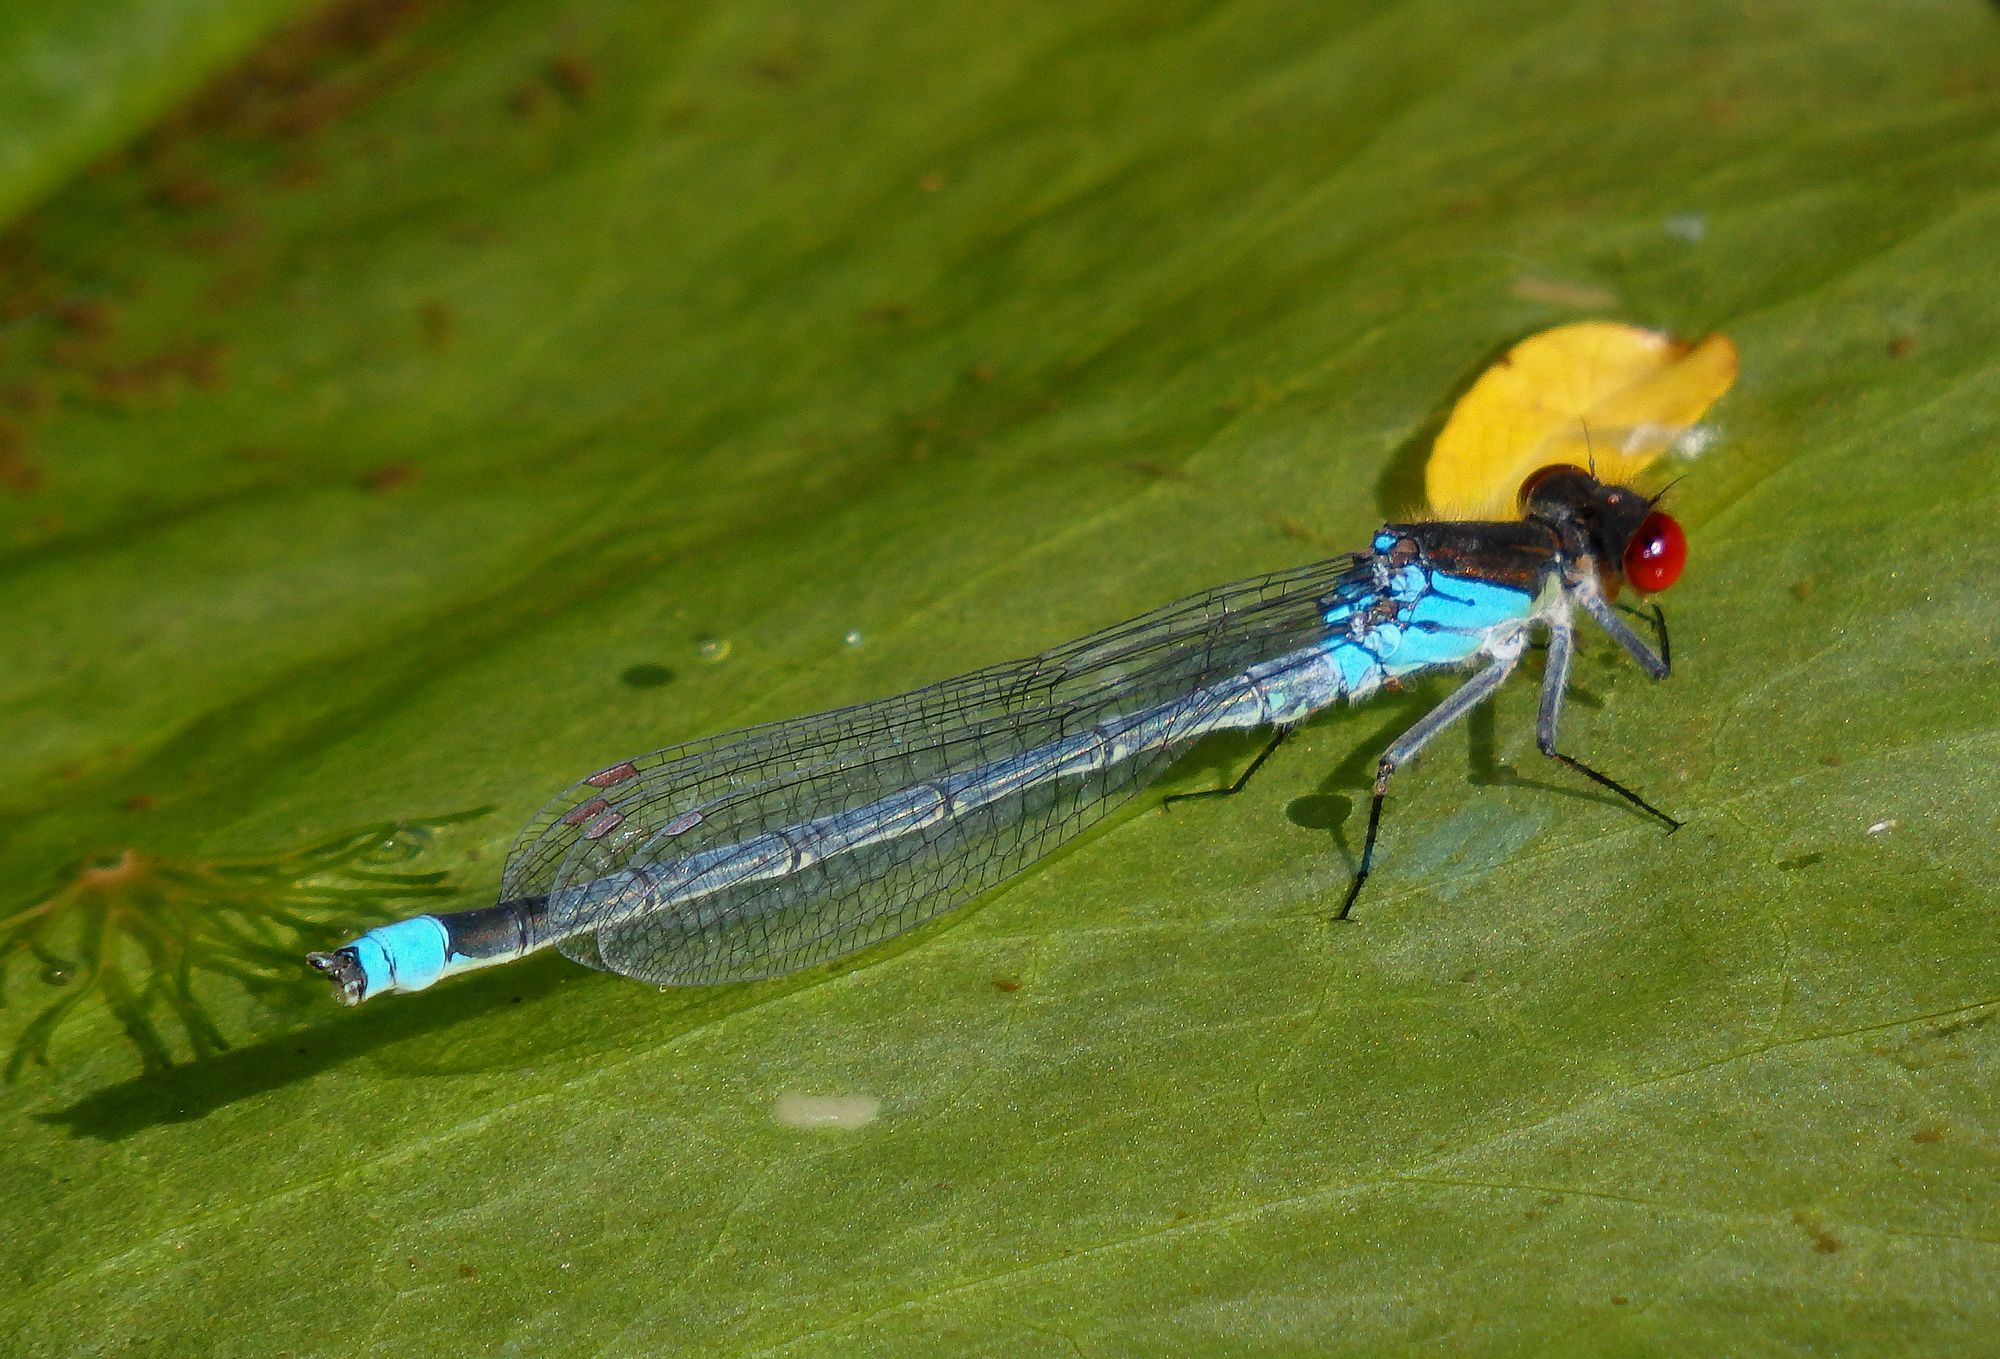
{"x":1463,"y":700}
{"x":1555,"y":682}
{"x":1560,"y":648}
{"x":1658,"y":620}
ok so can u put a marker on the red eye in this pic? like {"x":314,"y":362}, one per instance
{"x":1656,"y":554}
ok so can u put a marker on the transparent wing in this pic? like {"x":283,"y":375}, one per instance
{"x":654,"y":811}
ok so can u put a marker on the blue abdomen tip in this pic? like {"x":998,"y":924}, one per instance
{"x":406,"y":956}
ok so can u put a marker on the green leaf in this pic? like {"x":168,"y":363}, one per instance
{"x":78,"y":78}
{"x":470,"y":396}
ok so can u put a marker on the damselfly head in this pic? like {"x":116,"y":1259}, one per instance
{"x":1611,"y":523}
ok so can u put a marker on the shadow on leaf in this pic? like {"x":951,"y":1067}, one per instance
{"x":134,"y":930}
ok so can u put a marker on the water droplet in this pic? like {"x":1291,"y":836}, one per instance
{"x":852,"y":637}
{"x":811,"y":1112}
{"x":712,"y":649}
{"x":56,"y":976}
{"x":1686,"y":226}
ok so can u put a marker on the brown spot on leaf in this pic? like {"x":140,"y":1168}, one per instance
{"x":197,"y":364}
{"x":574,"y":78}
{"x":23,"y":297}
{"x":1006,"y":985}
{"x":85,"y":317}
{"x":390,"y":476}
{"x":221,"y":237}
{"x":438,"y":322}
{"x":202,"y":363}
{"x":782,"y":66}
{"x":17,"y":471}
{"x":186,"y":191}
{"x":1823,"y":1241}
{"x":300,"y":172}
{"x":473,"y":233}
{"x":1902,"y":346}
{"x":28,"y":396}
{"x":526,"y":100}
{"x":1926,"y":1136}
{"x":307,"y":76}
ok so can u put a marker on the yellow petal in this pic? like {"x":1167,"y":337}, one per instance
{"x":1595,"y":390}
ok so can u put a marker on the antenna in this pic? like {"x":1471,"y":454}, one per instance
{"x":1668,"y":487}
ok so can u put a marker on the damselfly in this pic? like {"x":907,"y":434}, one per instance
{"x":766,"y":850}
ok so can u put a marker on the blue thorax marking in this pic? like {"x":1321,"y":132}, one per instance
{"x":1413,"y":617}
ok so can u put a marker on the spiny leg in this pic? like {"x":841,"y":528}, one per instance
{"x":1555,"y":681}
{"x":1462,"y":701}
{"x":1658,"y":620}
{"x":1277,"y":739}
{"x":1658,"y":664}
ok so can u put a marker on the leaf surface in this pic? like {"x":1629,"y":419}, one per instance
{"x":528,"y":385}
